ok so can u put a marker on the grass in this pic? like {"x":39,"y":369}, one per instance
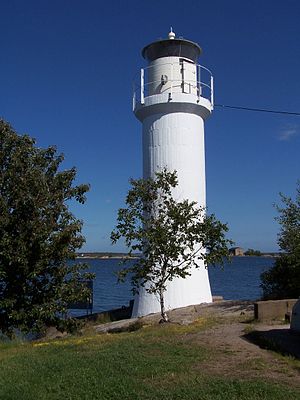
{"x":152,"y":363}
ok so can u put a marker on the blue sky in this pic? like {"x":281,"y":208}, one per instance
{"x":66,"y":79}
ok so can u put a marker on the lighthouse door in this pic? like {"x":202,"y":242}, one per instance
{"x":188,"y":76}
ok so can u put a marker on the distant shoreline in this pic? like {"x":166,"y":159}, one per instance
{"x":105,"y":257}
{"x":121,"y":256}
{"x":266,"y":255}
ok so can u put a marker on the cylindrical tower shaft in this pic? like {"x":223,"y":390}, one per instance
{"x":172,"y":106}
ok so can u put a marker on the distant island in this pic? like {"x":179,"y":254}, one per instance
{"x":239,"y":252}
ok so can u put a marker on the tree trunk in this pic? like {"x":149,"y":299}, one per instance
{"x":163,"y":313}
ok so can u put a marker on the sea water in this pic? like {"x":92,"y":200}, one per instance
{"x":237,"y":280}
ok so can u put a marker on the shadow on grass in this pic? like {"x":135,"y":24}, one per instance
{"x":282,"y":341}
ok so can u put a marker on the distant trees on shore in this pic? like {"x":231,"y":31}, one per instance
{"x":252,"y":252}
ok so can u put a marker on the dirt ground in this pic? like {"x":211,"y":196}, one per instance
{"x":236,"y":339}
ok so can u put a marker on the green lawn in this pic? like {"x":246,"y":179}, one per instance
{"x":152,"y":363}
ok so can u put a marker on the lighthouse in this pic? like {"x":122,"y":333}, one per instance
{"x":172,"y":98}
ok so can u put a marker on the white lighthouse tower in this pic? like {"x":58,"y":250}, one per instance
{"x":173,"y":97}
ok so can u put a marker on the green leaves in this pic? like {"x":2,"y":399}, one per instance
{"x":38,"y":234}
{"x":283,"y":280}
{"x":171,"y":235}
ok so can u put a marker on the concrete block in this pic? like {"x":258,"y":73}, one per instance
{"x":295,"y":322}
{"x":216,"y":299}
{"x":273,"y":309}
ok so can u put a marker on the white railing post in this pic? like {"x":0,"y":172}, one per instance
{"x":212,"y":90}
{"x":142,"y":86}
{"x":133,"y":97}
{"x":171,"y":88}
{"x":199,"y":80}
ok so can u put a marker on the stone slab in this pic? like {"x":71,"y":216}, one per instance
{"x":273,"y":309}
{"x":117,"y":326}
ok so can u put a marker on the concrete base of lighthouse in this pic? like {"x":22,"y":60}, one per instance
{"x":194,"y":289}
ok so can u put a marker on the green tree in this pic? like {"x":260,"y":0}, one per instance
{"x":283,"y":279}
{"x":170,"y":235}
{"x":252,"y":252}
{"x":38,"y":236}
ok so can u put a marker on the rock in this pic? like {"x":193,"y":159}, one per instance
{"x":53,"y":333}
{"x":123,"y":325}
